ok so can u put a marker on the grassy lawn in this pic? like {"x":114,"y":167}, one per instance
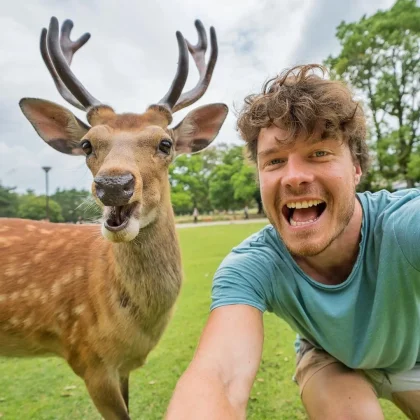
{"x":47,"y":389}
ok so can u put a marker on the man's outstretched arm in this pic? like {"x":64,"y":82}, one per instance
{"x":219,"y":379}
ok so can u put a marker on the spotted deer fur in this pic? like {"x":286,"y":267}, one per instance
{"x":100,"y":296}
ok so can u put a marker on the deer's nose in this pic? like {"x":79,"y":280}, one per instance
{"x":115,"y":190}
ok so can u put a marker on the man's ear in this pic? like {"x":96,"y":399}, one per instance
{"x":357,"y":173}
{"x":57,"y":126}
{"x":199,"y":128}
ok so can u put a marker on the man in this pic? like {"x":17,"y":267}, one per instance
{"x":195,"y":214}
{"x":343,"y":269}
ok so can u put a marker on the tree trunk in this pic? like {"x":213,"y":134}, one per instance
{"x":410,"y":182}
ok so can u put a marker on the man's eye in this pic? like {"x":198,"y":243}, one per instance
{"x":274,"y":162}
{"x":320,"y":153}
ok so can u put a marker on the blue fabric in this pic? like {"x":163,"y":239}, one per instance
{"x":372,"y":319}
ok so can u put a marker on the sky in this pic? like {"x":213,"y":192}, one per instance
{"x":131,"y":58}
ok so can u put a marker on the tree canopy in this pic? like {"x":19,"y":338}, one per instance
{"x":33,"y":207}
{"x":380,"y":57}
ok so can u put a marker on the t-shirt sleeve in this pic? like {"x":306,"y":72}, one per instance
{"x":244,"y":277}
{"x":406,"y":227}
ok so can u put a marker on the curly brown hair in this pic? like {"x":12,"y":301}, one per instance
{"x":298,"y":100}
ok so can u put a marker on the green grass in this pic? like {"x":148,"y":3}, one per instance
{"x":46,"y":388}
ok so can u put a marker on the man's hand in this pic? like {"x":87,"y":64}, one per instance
{"x":218,"y":381}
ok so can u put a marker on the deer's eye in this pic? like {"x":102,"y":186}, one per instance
{"x":86,"y":146}
{"x":165,"y":146}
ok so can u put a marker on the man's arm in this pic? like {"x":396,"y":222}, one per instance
{"x":219,"y":379}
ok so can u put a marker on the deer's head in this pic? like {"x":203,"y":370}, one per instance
{"x":128,"y":154}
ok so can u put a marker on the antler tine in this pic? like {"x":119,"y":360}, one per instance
{"x":178,"y":83}
{"x":69,"y":47}
{"x":63,"y":69}
{"x":62,"y":89}
{"x":198,"y":53}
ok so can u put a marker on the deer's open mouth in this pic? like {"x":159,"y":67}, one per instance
{"x":117,"y":217}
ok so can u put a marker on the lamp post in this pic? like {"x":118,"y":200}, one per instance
{"x":46,"y":169}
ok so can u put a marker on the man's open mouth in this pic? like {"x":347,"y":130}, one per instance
{"x":117,"y":217}
{"x":301,"y":213}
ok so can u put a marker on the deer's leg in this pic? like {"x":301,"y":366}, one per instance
{"x":105,"y":391}
{"x":124,"y":381}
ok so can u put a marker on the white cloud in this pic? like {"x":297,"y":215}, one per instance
{"x":131,"y":59}
{"x":22,"y":168}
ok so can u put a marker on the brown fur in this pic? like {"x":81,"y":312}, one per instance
{"x":64,"y":286}
{"x":65,"y":290}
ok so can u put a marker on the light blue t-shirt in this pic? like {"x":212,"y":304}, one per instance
{"x":372,"y":319}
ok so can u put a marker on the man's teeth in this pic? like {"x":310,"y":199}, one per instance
{"x":303,"y":204}
{"x":293,"y":223}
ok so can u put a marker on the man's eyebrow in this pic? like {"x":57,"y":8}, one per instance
{"x":276,"y":149}
{"x":269,"y":151}
{"x":317,"y":139}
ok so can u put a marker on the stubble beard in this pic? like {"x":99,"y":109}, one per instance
{"x":304,"y":247}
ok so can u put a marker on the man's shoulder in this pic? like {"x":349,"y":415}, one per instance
{"x":381,"y":205}
{"x":394,"y":221}
{"x":259,"y":258}
{"x":263,"y":244}
{"x":246,"y":274}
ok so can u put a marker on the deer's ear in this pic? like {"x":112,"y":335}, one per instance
{"x":199,"y":128}
{"x":57,"y":126}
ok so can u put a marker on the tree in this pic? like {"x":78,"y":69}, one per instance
{"x":380,"y":56}
{"x":414,"y":167}
{"x":182,"y":201}
{"x":217,"y":178}
{"x":258,"y":199}
{"x":221,"y":189}
{"x":33,"y":207}
{"x":244,"y":184}
{"x":8,"y":202}
{"x":189,"y":178}
{"x":232,"y":182}
{"x":76,"y":205}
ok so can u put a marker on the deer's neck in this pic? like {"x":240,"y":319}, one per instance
{"x":148,"y":269}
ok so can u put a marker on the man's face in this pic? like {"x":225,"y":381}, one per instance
{"x":307,"y":188}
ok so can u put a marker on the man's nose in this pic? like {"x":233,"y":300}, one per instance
{"x":297,"y":173}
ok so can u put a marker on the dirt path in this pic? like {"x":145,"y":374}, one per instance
{"x":224,"y":222}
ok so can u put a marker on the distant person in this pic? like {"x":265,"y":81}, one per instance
{"x":246,"y":213}
{"x":341,"y":268}
{"x":195,"y":214}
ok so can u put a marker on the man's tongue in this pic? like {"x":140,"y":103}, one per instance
{"x":304,"y":215}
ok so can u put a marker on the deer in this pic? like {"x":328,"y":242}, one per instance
{"x":101,"y":295}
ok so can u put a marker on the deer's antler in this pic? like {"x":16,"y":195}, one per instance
{"x":173,"y":99}
{"x":57,"y":54}
{"x":178,"y":83}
